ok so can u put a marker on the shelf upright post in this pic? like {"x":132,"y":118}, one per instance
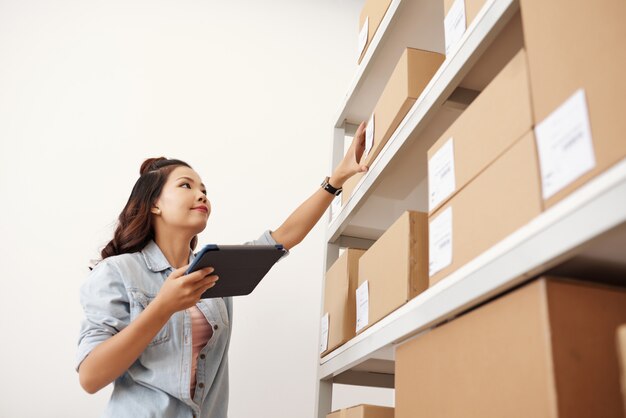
{"x":324,"y":388}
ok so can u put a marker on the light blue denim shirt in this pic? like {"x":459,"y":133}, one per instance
{"x":157,"y":384}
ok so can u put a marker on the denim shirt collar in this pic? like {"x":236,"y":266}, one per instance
{"x":155,"y":260}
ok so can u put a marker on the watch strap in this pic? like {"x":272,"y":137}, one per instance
{"x":329,"y":188}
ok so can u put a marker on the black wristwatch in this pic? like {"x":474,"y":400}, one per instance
{"x":330,"y":189}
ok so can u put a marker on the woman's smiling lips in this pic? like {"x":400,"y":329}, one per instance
{"x":201,"y":208}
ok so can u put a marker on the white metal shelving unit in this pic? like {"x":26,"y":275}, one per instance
{"x":585,"y":230}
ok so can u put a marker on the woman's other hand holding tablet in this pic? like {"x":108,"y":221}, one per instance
{"x":180,"y":291}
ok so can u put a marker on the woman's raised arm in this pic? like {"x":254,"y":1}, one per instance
{"x":304,"y":218}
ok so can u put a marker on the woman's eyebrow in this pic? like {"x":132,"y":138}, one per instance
{"x":190,"y":179}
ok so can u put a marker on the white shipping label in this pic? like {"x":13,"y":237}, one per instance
{"x":441,"y":176}
{"x":363,"y":35}
{"x":440,"y":242}
{"x":369,"y":137}
{"x":564,"y":144}
{"x":324,"y":333}
{"x":362,"y":306}
{"x":335,"y":208}
{"x":454,"y":24}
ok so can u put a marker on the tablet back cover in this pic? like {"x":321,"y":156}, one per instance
{"x":240,"y":267}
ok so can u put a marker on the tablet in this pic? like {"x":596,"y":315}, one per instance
{"x":239,"y":267}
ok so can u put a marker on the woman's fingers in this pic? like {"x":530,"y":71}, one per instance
{"x":198,"y":275}
{"x":358,"y":144}
{"x":360,"y":131}
{"x":179,"y":272}
{"x":205,"y":288}
{"x":207,"y":283}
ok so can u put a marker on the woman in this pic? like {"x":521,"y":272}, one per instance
{"x":145,"y":327}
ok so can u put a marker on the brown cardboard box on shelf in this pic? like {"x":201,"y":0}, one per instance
{"x":546,"y":349}
{"x":572,"y":47}
{"x":339,"y":298}
{"x":363,"y":411}
{"x":494,"y":121}
{"x":453,"y":11}
{"x":503,"y":198}
{"x":349,"y":186}
{"x":412,"y":73}
{"x":395,"y":269}
{"x":621,"y":351}
{"x":373,"y":11}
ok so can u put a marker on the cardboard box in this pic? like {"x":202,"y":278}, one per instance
{"x":412,"y":73}
{"x":544,"y":350}
{"x":395,"y":268}
{"x":373,"y":12}
{"x":339,"y":298}
{"x":503,"y":198}
{"x":573,"y":46}
{"x":494,"y":121}
{"x":454,"y":23}
{"x":363,"y":411}
{"x":621,"y":354}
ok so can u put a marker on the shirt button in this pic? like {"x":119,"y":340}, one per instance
{"x":215,"y":326}
{"x":202,"y":356}
{"x":201,"y":385}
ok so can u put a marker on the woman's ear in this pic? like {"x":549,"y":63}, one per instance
{"x":156,"y":211}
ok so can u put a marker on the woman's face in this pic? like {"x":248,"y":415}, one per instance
{"x":183,"y":202}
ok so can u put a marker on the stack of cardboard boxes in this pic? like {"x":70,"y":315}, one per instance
{"x":561,"y":95}
{"x":483,"y":178}
{"x":576,"y":66}
{"x":362,"y":287}
{"x":549,"y":122}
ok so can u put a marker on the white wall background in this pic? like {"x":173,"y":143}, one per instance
{"x":243,"y":90}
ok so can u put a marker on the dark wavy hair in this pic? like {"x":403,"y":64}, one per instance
{"x":134,"y":228}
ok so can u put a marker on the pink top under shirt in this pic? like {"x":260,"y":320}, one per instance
{"x":201,"y":333}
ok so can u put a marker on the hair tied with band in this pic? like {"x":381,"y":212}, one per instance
{"x":151,"y":164}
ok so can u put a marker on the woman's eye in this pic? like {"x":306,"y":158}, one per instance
{"x":204,"y":191}
{"x":186,"y":184}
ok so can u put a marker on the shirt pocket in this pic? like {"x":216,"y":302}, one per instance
{"x":138,"y":303}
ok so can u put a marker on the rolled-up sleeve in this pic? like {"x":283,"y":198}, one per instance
{"x":267,"y":239}
{"x":106,"y":307}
